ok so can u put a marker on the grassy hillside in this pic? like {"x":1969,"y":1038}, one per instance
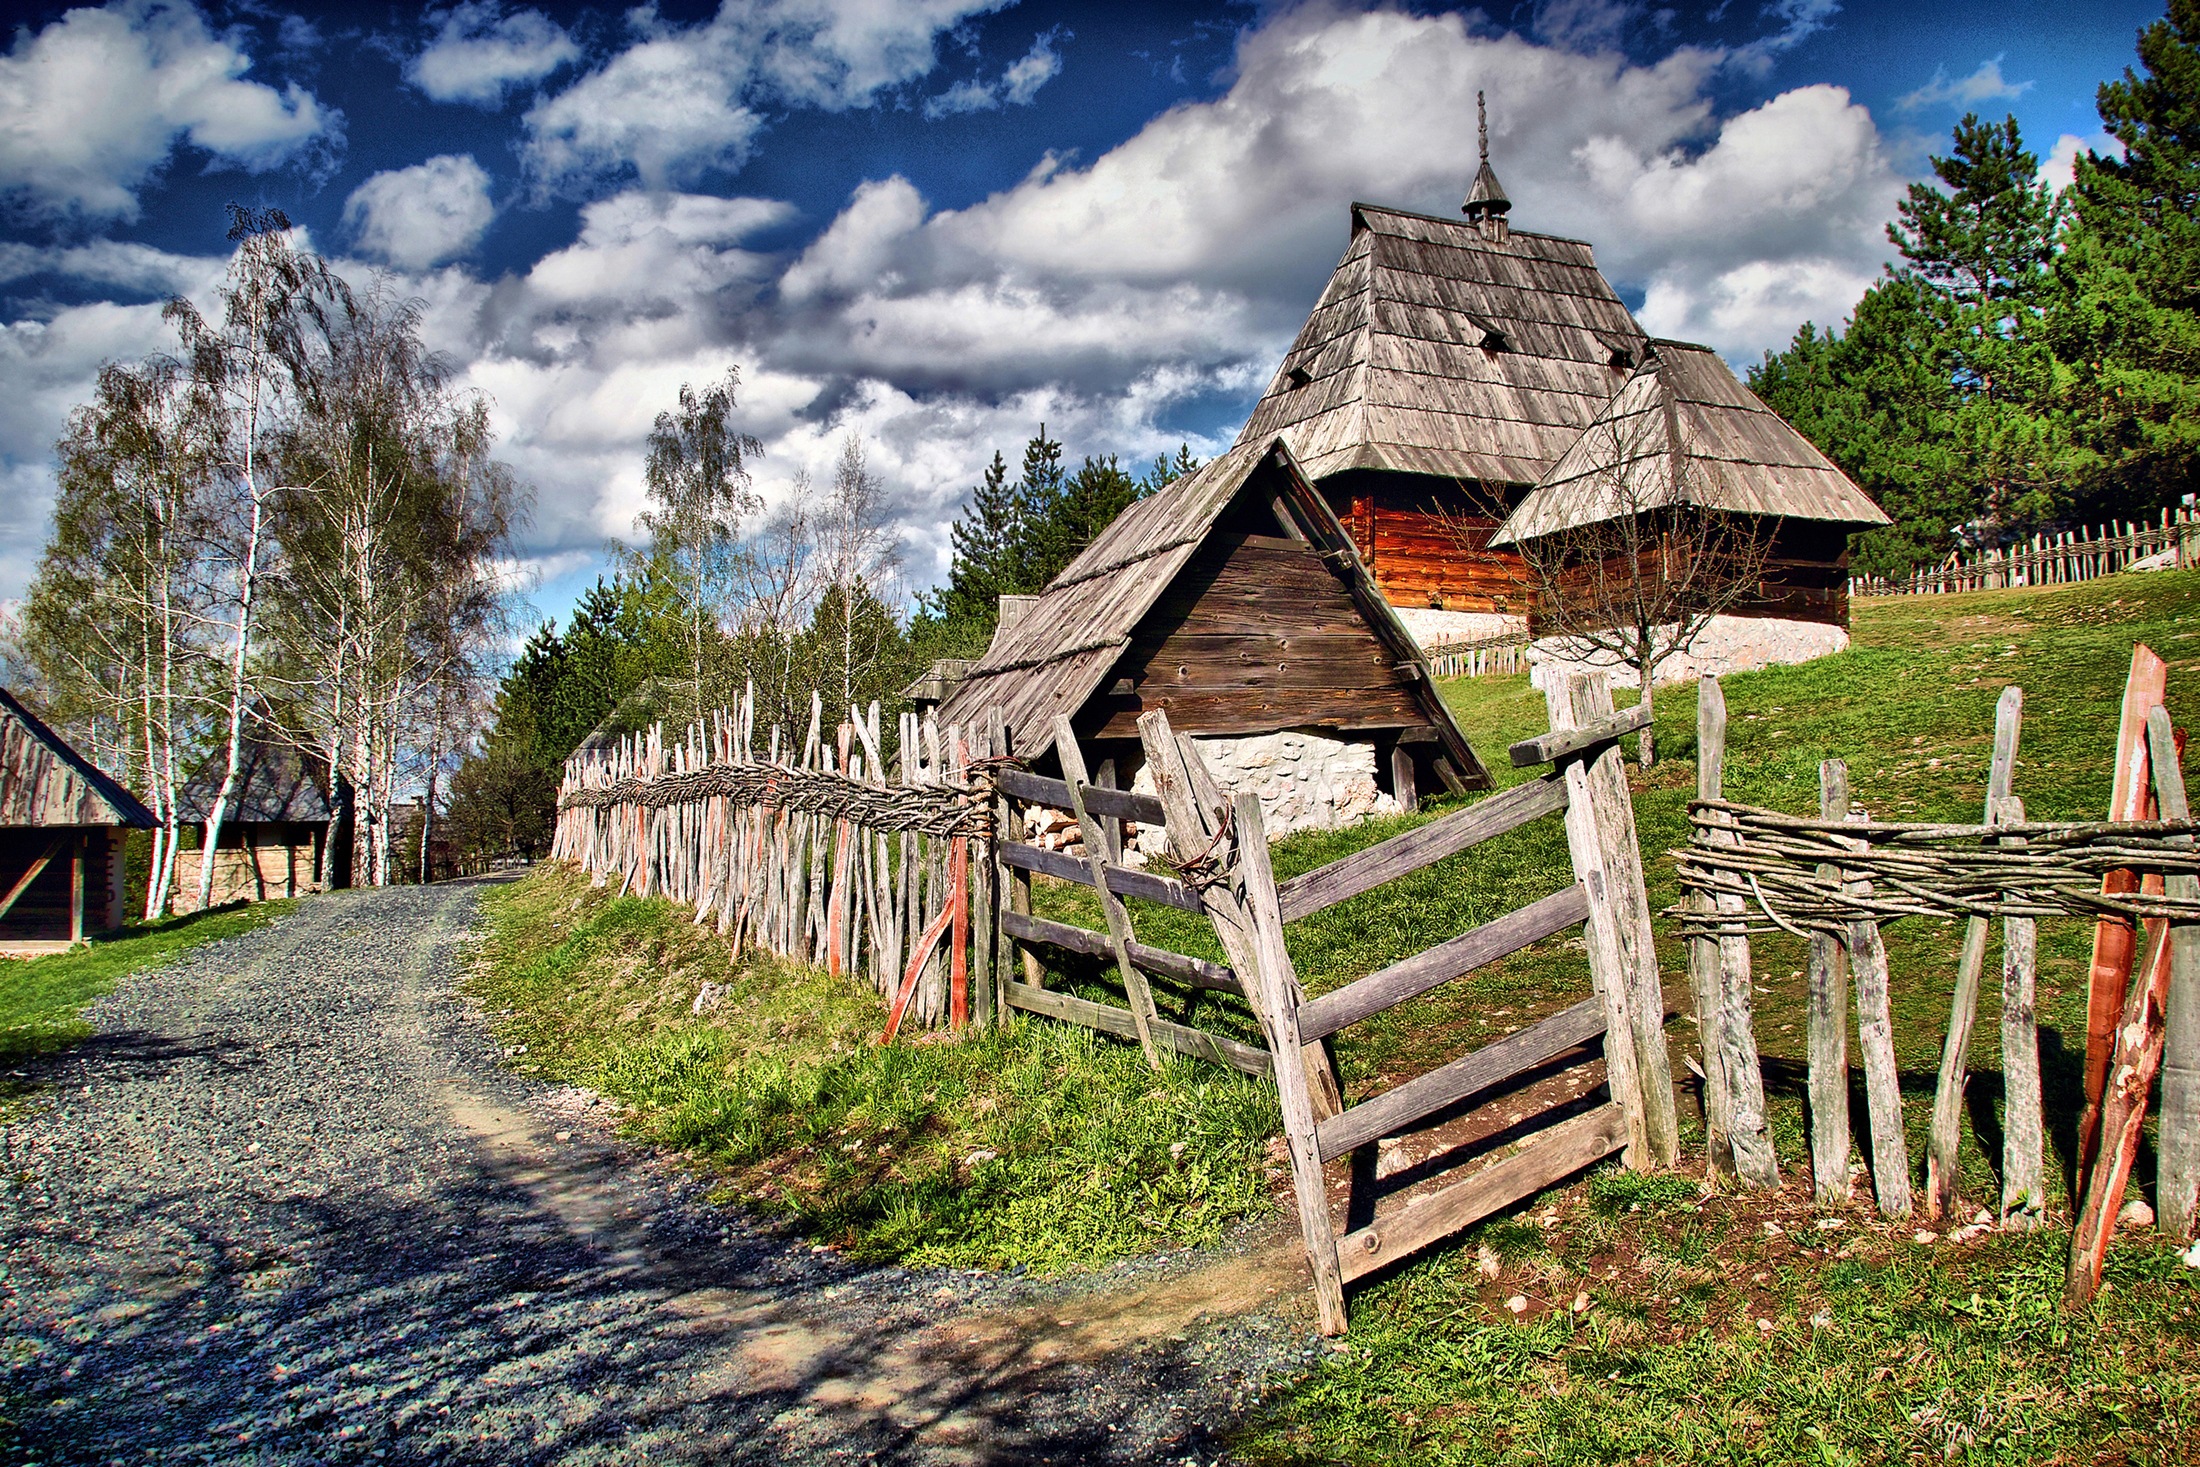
{"x":1709,"y":1326}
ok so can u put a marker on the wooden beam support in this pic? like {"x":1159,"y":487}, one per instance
{"x":1491,"y":1065}
{"x":1552,"y":1156}
{"x":1364,"y":870}
{"x":1037,"y":789}
{"x":1122,"y":880}
{"x":1111,"y":905}
{"x":1108,"y":1019}
{"x":1549,"y":747}
{"x":23,"y":883}
{"x":1194,"y":972}
{"x":1391,"y":986}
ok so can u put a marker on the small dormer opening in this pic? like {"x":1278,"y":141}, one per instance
{"x":1623,"y":356}
{"x":1297,"y":377}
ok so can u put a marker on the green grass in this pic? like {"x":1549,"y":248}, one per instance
{"x":1039,"y":1145}
{"x":42,"y":1000}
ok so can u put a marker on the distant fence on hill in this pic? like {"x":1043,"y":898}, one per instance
{"x":1479,"y":656}
{"x":2051,"y":560}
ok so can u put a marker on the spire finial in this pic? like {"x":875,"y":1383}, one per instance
{"x":1486,"y":202}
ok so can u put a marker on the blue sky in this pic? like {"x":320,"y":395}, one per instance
{"x":933,"y":224}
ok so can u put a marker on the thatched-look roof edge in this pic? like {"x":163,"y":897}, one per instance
{"x":44,"y":781}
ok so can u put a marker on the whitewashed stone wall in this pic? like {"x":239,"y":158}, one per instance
{"x":1728,"y":644}
{"x":1306,"y":780}
{"x":1430,"y":626}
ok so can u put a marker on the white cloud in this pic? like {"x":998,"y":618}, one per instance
{"x":1983,"y":85}
{"x":681,"y":100}
{"x":93,"y":104}
{"x":2060,"y":166}
{"x":417,"y":216}
{"x":480,"y":54}
{"x":1018,"y":85}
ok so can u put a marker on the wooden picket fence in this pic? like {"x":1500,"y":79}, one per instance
{"x":811,"y":852}
{"x":1479,"y":656}
{"x":2050,"y":560}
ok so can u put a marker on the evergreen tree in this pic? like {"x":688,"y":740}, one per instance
{"x":1042,"y":534}
{"x":986,"y":539}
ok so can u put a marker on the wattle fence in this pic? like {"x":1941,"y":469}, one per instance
{"x":814,"y":854}
{"x":2051,"y":560}
{"x":1479,"y":656}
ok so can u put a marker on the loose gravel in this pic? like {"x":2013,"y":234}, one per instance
{"x":286,"y":1207}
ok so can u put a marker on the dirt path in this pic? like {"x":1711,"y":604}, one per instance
{"x":286,"y":1208}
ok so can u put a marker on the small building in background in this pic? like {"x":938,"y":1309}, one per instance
{"x":62,"y":828}
{"x":1233,"y":600}
{"x":272,"y":837}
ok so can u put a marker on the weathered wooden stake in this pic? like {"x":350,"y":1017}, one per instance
{"x":2023,"y":1130}
{"x":1741,"y":1073}
{"x":2178,"y":1141}
{"x":1703,"y":952}
{"x":1135,"y":986}
{"x":1875,"y":1036}
{"x":1941,"y":1163}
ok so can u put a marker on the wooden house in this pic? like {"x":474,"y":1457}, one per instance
{"x":1685,"y":431}
{"x":273,"y":835}
{"x":62,"y":827}
{"x":1447,"y":369}
{"x":1234,"y":600}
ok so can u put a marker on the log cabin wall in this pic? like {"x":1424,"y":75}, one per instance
{"x":1425,"y":539}
{"x":1806,"y":578}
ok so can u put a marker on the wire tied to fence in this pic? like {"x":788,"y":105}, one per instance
{"x":1204,"y":867}
{"x":944,"y":810}
{"x":1920,"y":870}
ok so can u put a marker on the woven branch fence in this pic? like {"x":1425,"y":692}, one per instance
{"x":811,"y":852}
{"x":2050,"y":560}
{"x":1479,"y":656}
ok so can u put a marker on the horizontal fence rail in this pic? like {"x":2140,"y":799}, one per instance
{"x":1479,"y":656}
{"x":2051,"y":560}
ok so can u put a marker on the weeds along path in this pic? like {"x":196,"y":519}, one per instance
{"x":285,"y":1208}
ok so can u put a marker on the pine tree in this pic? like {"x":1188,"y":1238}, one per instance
{"x":1042,"y":534}
{"x":986,"y":539}
{"x":1989,"y":238}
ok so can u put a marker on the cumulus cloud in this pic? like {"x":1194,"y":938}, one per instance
{"x":93,"y":104}
{"x":1986,"y":84}
{"x":420,"y":215}
{"x":1018,"y":85}
{"x":480,"y":54}
{"x":681,"y":100}
{"x":2060,"y":166}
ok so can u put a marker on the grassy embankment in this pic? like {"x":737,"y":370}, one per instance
{"x":42,"y":1000}
{"x":1047,"y":1147}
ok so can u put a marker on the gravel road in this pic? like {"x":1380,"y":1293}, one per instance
{"x":286,"y":1208}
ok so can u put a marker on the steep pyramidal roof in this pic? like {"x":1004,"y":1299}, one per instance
{"x":1444,"y":346}
{"x":274,"y":787}
{"x":1684,"y":430}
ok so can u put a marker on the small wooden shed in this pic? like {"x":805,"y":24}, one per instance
{"x":1684,"y":430}
{"x":62,"y":827}
{"x":1234,"y":600}
{"x":273,"y":834}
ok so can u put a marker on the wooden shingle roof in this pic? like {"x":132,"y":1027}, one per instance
{"x":1055,"y":657}
{"x":1438,"y":348}
{"x":45,"y":782}
{"x":274,"y":787}
{"x":1684,"y":429}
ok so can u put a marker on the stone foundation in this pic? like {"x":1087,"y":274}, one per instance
{"x":1430,"y":626}
{"x":1306,"y":780}
{"x":1729,"y":644}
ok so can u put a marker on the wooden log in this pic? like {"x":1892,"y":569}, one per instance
{"x":1037,"y":789}
{"x":1941,"y":1162}
{"x":1097,"y":853}
{"x":2023,"y":1130}
{"x":1194,"y":972}
{"x":2114,"y":939}
{"x":1124,"y":881}
{"x":1600,"y":838}
{"x":1748,"y":1121}
{"x":1703,"y":952}
{"x":1875,"y":1037}
{"x":1552,"y":1156}
{"x":1484,"y":1069}
{"x":1401,"y":779}
{"x":1410,"y":851}
{"x":1109,"y":1019}
{"x":1828,"y":1028}
{"x":1558,"y":743}
{"x":1393,"y":985}
{"x":2178,"y":1140}
{"x":1277,"y":982}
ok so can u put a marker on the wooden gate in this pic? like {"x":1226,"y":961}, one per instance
{"x":1625,"y":1006}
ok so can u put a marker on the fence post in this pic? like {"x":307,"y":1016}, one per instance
{"x":1829,"y":1026}
{"x":2179,"y":1130}
{"x":1600,"y":835}
{"x":1748,"y":1131}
